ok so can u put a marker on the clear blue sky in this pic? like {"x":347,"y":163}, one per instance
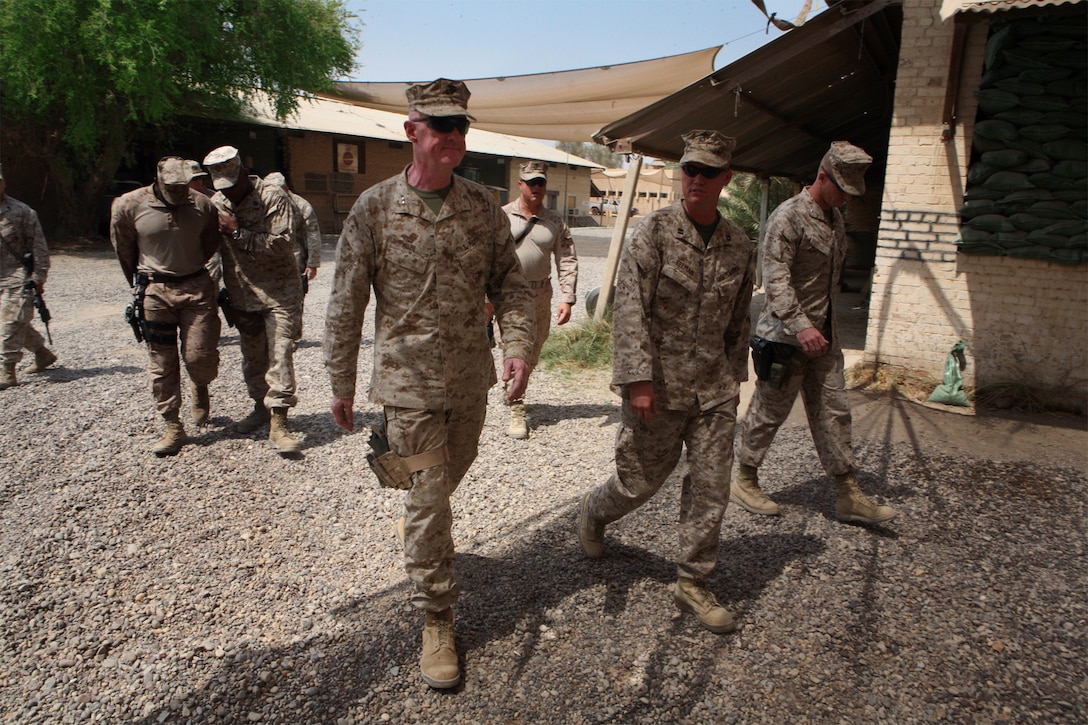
{"x":415,"y":40}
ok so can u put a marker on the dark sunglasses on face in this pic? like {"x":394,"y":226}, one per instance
{"x":447,"y":124}
{"x":536,"y":182}
{"x":709,"y":172}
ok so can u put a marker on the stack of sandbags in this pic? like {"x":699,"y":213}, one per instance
{"x":1027,"y":186}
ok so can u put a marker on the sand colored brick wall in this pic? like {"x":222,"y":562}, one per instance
{"x":1021,"y":320}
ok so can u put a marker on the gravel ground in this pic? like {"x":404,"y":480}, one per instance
{"x":229,"y":585}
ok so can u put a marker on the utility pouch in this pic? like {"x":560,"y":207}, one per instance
{"x":305,"y":284}
{"x":223,"y":300}
{"x":771,"y":360}
{"x":394,"y":471}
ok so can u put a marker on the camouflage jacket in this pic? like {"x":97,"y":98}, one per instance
{"x":803,"y":254}
{"x":307,"y":233}
{"x":429,"y":274}
{"x":259,"y":268}
{"x":548,"y":239}
{"x":681,"y":315}
{"x":151,"y":237}
{"x":21,"y":233}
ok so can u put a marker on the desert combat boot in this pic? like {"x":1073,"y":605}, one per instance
{"x":519,"y":425}
{"x":7,"y":376}
{"x":172,"y":440}
{"x":590,"y":531}
{"x":853,"y":505}
{"x":695,"y":598}
{"x":43,"y":358}
{"x":286,"y":444}
{"x":254,"y":420}
{"x":200,"y":404}
{"x":438,"y":665}
{"x":745,"y":492}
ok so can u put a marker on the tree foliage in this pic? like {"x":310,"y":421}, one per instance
{"x":80,"y":76}
{"x":594,"y":152}
{"x":744,"y":194}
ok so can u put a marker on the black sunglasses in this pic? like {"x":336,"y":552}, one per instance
{"x":709,"y":172}
{"x":536,"y":182}
{"x":448,"y":124}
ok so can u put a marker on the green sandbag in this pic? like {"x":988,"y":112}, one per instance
{"x":1066,"y":87}
{"x":992,"y":76}
{"x":995,"y":129}
{"x":991,"y":223}
{"x":1069,"y":195}
{"x":1027,"y":59}
{"x":1030,"y":251}
{"x":1067,"y":256}
{"x":979,"y":192}
{"x":979,"y":248}
{"x":979,"y":172}
{"x":1045,"y":102}
{"x":950,"y":391}
{"x":1044,"y":75}
{"x":1034,"y":166}
{"x":1073,"y":58}
{"x":996,"y":45}
{"x":995,"y":100}
{"x":1044,"y":132}
{"x":1054,"y":210}
{"x":1068,"y":148}
{"x":1052,"y":241}
{"x":974,"y":207}
{"x":1027,"y":196}
{"x":1065,"y":118}
{"x":1047,"y":180}
{"x":974,"y":236}
{"x":1080,"y":207}
{"x":1046,"y":44}
{"x":1004,"y":159}
{"x":1019,"y":88}
{"x":1067,"y":227}
{"x":981,"y":144}
{"x":1034,"y":148}
{"x":1071,"y":169}
{"x":1028,"y":222}
{"x":1009,"y":239}
{"x":1008,"y":181}
{"x":1020,"y":116}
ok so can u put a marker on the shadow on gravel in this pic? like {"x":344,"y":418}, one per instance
{"x":818,"y":496}
{"x":61,"y":374}
{"x":542,"y":415}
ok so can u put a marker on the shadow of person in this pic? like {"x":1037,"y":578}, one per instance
{"x":542,"y":415}
{"x":60,"y":374}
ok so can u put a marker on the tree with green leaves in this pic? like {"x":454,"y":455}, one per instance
{"x":744,"y":195}
{"x":80,"y":77}
{"x":596,"y":153}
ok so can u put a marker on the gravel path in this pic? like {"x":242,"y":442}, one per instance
{"x":228,"y":585}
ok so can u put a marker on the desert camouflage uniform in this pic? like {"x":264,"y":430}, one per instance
{"x":171,"y":245}
{"x":432,"y":364}
{"x":805,"y":248}
{"x":261,"y":277}
{"x":680,"y":320}
{"x":307,"y":233}
{"x":21,"y":233}
{"x":548,"y":239}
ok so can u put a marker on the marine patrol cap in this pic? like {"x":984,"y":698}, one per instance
{"x":846,"y":164}
{"x":533,"y":170}
{"x":276,"y":179}
{"x":442,"y":97}
{"x":173,"y":175}
{"x":710,"y":148}
{"x":225,"y":166}
{"x":195,"y":169}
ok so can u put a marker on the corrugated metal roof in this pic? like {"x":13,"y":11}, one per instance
{"x":830,"y":79}
{"x":951,"y":7}
{"x":325,"y":115}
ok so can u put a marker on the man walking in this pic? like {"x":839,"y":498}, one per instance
{"x":680,"y":342}
{"x":258,"y":255}
{"x":24,"y":266}
{"x":307,"y":231}
{"x":163,"y":235}
{"x":431,"y":245}
{"x":540,"y":235}
{"x":805,"y":247}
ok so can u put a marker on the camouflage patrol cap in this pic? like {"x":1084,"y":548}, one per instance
{"x":276,"y":179}
{"x":173,"y":176}
{"x":846,"y":164}
{"x":533,"y":170}
{"x":225,"y":166}
{"x":441,"y":97}
{"x":195,"y":168}
{"x":711,"y":148}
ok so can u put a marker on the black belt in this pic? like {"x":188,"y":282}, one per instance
{"x":175,"y":277}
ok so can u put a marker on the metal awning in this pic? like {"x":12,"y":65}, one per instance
{"x":830,"y":79}
{"x":951,"y":7}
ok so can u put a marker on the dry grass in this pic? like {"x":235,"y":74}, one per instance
{"x":913,"y":384}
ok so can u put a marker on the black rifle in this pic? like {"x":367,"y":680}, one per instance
{"x":39,"y":301}
{"x":134,"y":313}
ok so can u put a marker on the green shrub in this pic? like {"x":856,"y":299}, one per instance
{"x":586,"y":345}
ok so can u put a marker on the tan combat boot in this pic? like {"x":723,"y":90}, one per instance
{"x":254,"y":420}
{"x":286,"y":444}
{"x":43,"y":358}
{"x":400,"y":530}
{"x":200,"y":404}
{"x":590,"y":531}
{"x":519,"y":426}
{"x":438,"y":664}
{"x":853,"y":505}
{"x":7,"y":376}
{"x":695,"y":598}
{"x":744,"y":491}
{"x":172,"y":440}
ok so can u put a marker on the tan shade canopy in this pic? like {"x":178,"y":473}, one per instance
{"x":561,"y":106}
{"x":951,"y":7}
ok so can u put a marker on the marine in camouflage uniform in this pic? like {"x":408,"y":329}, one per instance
{"x":166,"y":233}
{"x":307,"y":229}
{"x":265,"y":291}
{"x":431,"y":245}
{"x":546,"y":242}
{"x":804,"y":251}
{"x":680,"y":342}
{"x":20,"y":234}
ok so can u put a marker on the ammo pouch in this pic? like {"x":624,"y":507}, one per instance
{"x":394,"y":471}
{"x":771,"y":360}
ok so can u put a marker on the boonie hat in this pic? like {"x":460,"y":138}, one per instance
{"x":441,"y":97}
{"x":225,"y":166}
{"x":846,"y":164}
{"x":173,"y":175}
{"x":195,"y":169}
{"x":276,"y":179}
{"x":533,"y":170}
{"x":710,"y":148}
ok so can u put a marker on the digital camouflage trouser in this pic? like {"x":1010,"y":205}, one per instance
{"x":16,"y":330}
{"x":268,"y":340}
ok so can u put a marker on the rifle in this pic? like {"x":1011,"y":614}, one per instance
{"x":39,"y":301}
{"x":134,"y":313}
